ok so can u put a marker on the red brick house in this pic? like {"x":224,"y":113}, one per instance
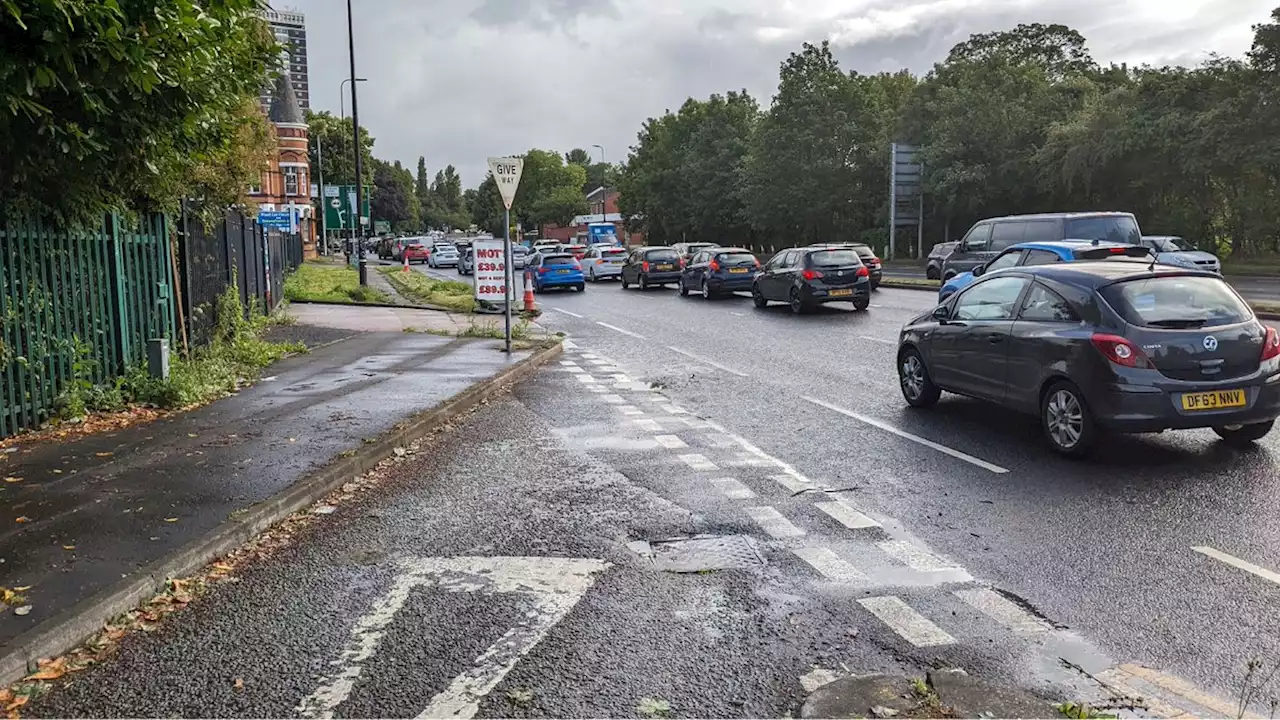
{"x":602,"y":206}
{"x":286,"y":182}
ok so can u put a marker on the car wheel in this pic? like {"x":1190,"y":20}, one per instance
{"x":582,"y":287}
{"x":1067,"y":421}
{"x":797,"y":304}
{"x":625,"y":284}
{"x":684,"y":291}
{"x":861,"y":303}
{"x":591,"y":275}
{"x":930,"y":274}
{"x":644,"y":283}
{"x":758,"y":298}
{"x":1243,"y":436}
{"x":706,"y":290}
{"x":917,"y":387}
{"x":950,"y":274}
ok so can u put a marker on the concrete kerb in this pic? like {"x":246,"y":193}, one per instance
{"x":62,"y":633}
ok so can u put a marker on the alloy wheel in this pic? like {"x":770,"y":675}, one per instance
{"x":912,"y":376}
{"x":1064,"y":418}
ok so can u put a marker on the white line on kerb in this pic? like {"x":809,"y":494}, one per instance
{"x":1004,"y":611}
{"x":902,"y":619}
{"x":846,"y":515}
{"x":867,"y":337}
{"x":566,"y":312}
{"x":1238,"y":563}
{"x":914,"y":438}
{"x":615,"y":328}
{"x":707,"y":361}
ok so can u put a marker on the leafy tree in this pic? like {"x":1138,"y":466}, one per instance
{"x":1056,"y":49}
{"x":578,"y":156}
{"x":550,"y":190}
{"x":334,"y":134}
{"x":487,"y":212}
{"x":393,"y":197}
{"x":422,"y":187}
{"x":106,"y":103}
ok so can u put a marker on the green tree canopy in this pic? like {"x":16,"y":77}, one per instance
{"x":333,"y":135}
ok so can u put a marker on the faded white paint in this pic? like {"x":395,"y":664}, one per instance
{"x":585,"y":378}
{"x":615,"y":399}
{"x":670,"y":442}
{"x":1236,"y":562}
{"x":674,"y":410}
{"x":906,"y":622}
{"x":698,"y":462}
{"x":794,"y":483}
{"x":846,"y":515}
{"x":829,"y":564}
{"x":707,"y":361}
{"x":648,"y":425}
{"x":565,"y":312}
{"x":568,"y":363}
{"x":552,"y":586}
{"x":733,"y":489}
{"x":772,"y":522}
{"x":1004,"y":611}
{"x":914,"y":557}
{"x":615,"y":328}
{"x":574,"y":369}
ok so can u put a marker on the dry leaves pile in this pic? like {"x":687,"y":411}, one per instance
{"x":92,"y":425}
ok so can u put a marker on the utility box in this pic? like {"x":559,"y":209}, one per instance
{"x":158,"y":358}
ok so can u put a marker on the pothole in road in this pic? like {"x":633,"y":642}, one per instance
{"x":700,"y":553}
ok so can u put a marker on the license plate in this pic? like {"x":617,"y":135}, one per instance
{"x":737,"y":270}
{"x":562,"y":272}
{"x":841,"y":293}
{"x":664,"y":267}
{"x":1213,"y":400}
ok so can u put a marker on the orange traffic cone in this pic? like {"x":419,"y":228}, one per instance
{"x":528,"y":299}
{"x":406,"y":264}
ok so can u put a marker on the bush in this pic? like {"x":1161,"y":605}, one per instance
{"x":450,"y":294}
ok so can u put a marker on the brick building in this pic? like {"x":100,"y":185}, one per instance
{"x":602,"y":206}
{"x":286,"y":182}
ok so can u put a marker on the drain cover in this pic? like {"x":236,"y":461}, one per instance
{"x":705,"y":552}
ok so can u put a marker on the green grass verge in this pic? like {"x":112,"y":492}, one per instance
{"x":450,"y":294}
{"x":909,"y":282}
{"x":325,"y":282}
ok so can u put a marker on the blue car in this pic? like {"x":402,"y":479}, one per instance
{"x":555,"y":269}
{"x":1042,"y":253}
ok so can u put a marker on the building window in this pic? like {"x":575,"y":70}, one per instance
{"x":255,"y":189}
{"x":291,"y":181}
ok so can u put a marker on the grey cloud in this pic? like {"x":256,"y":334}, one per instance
{"x":542,"y":14}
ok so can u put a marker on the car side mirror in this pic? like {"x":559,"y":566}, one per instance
{"x":977,"y":272}
{"x":942,"y":313}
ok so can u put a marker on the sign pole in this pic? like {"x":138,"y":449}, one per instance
{"x":506,"y":272}
{"x":506,"y":173}
{"x":893,"y":196}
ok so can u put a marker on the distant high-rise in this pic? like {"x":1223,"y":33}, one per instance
{"x":290,"y":29}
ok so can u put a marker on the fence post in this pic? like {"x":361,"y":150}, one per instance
{"x":119,"y":295}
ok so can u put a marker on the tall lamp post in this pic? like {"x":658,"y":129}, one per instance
{"x":342,"y":96}
{"x":355,"y":131}
{"x":604,"y":196}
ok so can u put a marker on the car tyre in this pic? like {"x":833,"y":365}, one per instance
{"x":1243,"y":436}
{"x":706,"y":291}
{"x":591,"y":275}
{"x":1067,"y":422}
{"x":625,"y":284}
{"x":684,"y":291}
{"x":914,"y":381}
{"x":644,"y":283}
{"x":930,"y":274}
{"x":860,"y":304}
{"x":797,"y":303}
{"x":581,"y":287}
{"x":758,"y":297}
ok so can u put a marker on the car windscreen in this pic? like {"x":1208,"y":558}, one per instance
{"x":1165,"y":245}
{"x":736,"y":258}
{"x":864,"y":252}
{"x":557,"y":260}
{"x":664,"y":255}
{"x":613,"y":252}
{"x":834,"y":258}
{"x":695,"y":247}
{"x":1111,"y":228}
{"x":1177,"y":302}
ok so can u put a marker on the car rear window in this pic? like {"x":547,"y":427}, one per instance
{"x":1112,"y":228}
{"x":1177,"y":302}
{"x":736,"y":258}
{"x":664,"y":254}
{"x":612,"y":252}
{"x":864,"y":251}
{"x":557,"y":260}
{"x":834,"y":258}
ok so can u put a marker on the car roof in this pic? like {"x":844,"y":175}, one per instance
{"x":731,"y":249}
{"x":1097,"y":273}
{"x":1064,"y":247}
{"x":1161,"y":237}
{"x":1060,"y":215}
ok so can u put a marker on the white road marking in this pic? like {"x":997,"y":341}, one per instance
{"x":913,"y":557}
{"x":598,"y":362}
{"x":698,"y":462}
{"x":878,"y":340}
{"x":590,"y":356}
{"x":1182,"y":688}
{"x":846,"y":515}
{"x":670,"y":442}
{"x":615,"y":399}
{"x":621,"y":377}
{"x":570,"y":345}
{"x":738,"y":314}
{"x":659,"y":399}
{"x":1238,"y":563}
{"x":673,"y":410}
{"x":615,"y":328}
{"x":909,"y":624}
{"x":751,"y":448}
{"x":649,"y":425}
{"x":733,"y":489}
{"x":707,"y":361}
{"x":552,"y":585}
{"x":573,"y":369}
{"x":716,"y":440}
{"x":597,"y":388}
{"x":695,"y":423}
{"x":794,"y":483}
{"x":585,"y":378}
{"x":903,"y":434}
{"x":1004,"y":611}
{"x":566,"y":312}
{"x":772,"y":522}
{"x":874,"y":305}
{"x":816,"y":677}
{"x":631,"y":410}
{"x":829,"y":564}
{"x":568,"y":363}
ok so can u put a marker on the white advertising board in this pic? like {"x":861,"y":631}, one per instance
{"x":490,"y":270}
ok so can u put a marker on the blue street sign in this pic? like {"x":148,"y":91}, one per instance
{"x":280,"y":220}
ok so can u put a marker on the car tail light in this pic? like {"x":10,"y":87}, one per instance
{"x":577,"y":265}
{"x":600,"y":261}
{"x":757,"y":261}
{"x":875,"y":260}
{"x":681,"y":262}
{"x":715,"y":266}
{"x":810,"y":274}
{"x":542,"y":271}
{"x":862,"y":272}
{"x":1120,"y":351}
{"x":1271,"y":345}
{"x":644,"y":266}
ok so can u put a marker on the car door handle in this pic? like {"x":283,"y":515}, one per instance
{"x":994,"y":338}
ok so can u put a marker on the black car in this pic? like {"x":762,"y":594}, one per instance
{"x":649,"y":266}
{"x":1121,"y":346}
{"x":937,"y":256}
{"x":806,"y":277}
{"x":988,"y":237}
{"x":718,"y":271}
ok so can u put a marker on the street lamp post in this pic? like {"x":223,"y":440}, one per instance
{"x":324,"y":211}
{"x":604,"y":216}
{"x":355,"y":129}
{"x":342,"y":96}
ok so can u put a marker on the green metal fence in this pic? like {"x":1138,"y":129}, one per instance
{"x":77,"y":302}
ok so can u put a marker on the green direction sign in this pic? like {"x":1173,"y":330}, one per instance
{"x":339,"y":201}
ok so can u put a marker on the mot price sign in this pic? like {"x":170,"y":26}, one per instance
{"x":491,"y":270}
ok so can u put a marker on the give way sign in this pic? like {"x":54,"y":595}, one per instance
{"x":506,"y":172}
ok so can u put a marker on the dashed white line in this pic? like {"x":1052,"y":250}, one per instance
{"x":573,"y":369}
{"x":615,"y":328}
{"x":597,"y":361}
{"x":596,"y":388}
{"x":648,"y":425}
{"x":913,"y":557}
{"x":772,"y":522}
{"x":914,"y":438}
{"x":909,"y":624}
{"x":615,"y":399}
{"x":630,"y":410}
{"x":716,"y":440}
{"x":621,"y":377}
{"x":698,"y":461}
{"x":707,"y":361}
{"x":878,"y":340}
{"x":566,"y":312}
{"x":846,"y":515}
{"x":1238,"y":563}
{"x":829,"y":564}
{"x":673,"y":410}
{"x":659,"y":399}
{"x":1004,"y":611}
{"x":590,"y":356}
{"x":794,"y":483}
{"x":585,"y":378}
{"x":570,"y":345}
{"x":733,"y":489}
{"x":670,"y":442}
{"x":568,"y":363}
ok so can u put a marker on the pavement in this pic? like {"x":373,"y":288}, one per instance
{"x":381,"y":319}
{"x":85,"y":515}
{"x":704,"y":509}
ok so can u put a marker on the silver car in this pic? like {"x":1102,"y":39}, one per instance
{"x":1169,"y":250}
{"x":603,"y":261}
{"x":443,"y":255}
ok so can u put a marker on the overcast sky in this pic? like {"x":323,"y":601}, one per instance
{"x":459,"y":80}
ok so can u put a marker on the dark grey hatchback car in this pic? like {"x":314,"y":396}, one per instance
{"x":1121,"y":346}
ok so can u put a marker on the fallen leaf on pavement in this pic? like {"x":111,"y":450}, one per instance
{"x":22,"y":588}
{"x":16,"y":703}
{"x":52,"y":671}
{"x":6,"y":696}
{"x":24,"y":610}
{"x":171,"y":519}
{"x":12,"y":479}
{"x":293,"y":439}
{"x":22,"y":519}
{"x":104,"y":454}
{"x":68,"y":547}
{"x":399,"y":452}
{"x":56,"y":472}
{"x":192,"y":435}
{"x":239,"y":684}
